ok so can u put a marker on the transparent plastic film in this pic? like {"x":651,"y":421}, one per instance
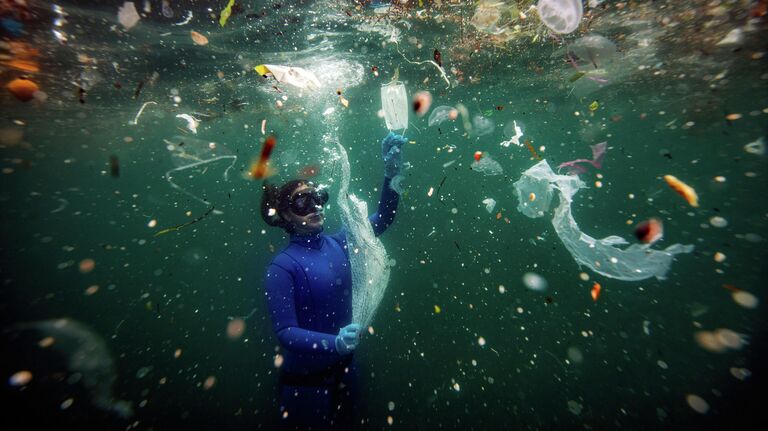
{"x":535,"y":190}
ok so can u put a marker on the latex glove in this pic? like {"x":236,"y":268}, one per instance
{"x":392,"y":153}
{"x":348,"y":339}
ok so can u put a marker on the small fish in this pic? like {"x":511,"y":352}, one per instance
{"x":593,"y":106}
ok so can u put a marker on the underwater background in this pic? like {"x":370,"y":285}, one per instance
{"x":145,"y":235}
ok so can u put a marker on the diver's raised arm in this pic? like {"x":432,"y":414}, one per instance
{"x":392,"y":154}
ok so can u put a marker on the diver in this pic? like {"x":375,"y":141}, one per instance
{"x":309,"y":295}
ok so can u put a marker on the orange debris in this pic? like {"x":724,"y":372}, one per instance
{"x":683,"y":190}
{"x":24,"y":89}
{"x":596,"y":291}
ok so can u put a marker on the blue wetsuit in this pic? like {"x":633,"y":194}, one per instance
{"x":309,"y":294}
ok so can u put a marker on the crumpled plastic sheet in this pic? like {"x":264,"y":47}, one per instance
{"x":603,"y":256}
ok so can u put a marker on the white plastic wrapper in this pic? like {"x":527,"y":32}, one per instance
{"x":603,"y":256}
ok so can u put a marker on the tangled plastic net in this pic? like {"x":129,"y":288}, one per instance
{"x":367,"y":256}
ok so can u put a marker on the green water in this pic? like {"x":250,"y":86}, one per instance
{"x":451,"y":348}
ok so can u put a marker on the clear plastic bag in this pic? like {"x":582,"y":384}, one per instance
{"x":535,"y":190}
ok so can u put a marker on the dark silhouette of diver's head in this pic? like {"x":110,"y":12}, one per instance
{"x":297,"y":206}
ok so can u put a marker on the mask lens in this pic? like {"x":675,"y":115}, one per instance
{"x":305,"y":203}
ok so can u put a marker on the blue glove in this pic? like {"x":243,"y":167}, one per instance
{"x":348,"y":339}
{"x":392,"y":153}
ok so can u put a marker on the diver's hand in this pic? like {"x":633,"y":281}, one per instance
{"x":348,"y":339}
{"x":392,"y":153}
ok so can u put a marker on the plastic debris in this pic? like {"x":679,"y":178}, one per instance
{"x":225,"y":13}
{"x":72,"y":349}
{"x":186,"y":20}
{"x":24,"y":89}
{"x":603,"y":256}
{"x":198,"y":38}
{"x":514,"y":139}
{"x":127,"y":15}
{"x":490,"y":204}
{"x":441,"y":114}
{"x":168,"y":11}
{"x":482,"y":125}
{"x":488,"y":16}
{"x":560,"y":16}
{"x":598,"y":154}
{"x":487,"y":166}
{"x":295,"y":76}
{"x":734,"y":38}
{"x":394,"y":103}
{"x":683,"y":189}
{"x":595,"y":292}
{"x":192,"y":122}
{"x":369,"y":263}
{"x":188,"y":153}
{"x":756,"y":147}
{"x":261,"y":169}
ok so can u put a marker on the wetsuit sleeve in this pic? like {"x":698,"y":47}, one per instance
{"x":282,"y":308}
{"x":387,"y":208}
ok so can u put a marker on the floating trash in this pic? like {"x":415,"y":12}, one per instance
{"x":127,"y":15}
{"x":482,"y":125}
{"x":636,"y":262}
{"x":683,"y":189}
{"x":756,"y":147}
{"x":74,"y":348}
{"x":487,"y":166}
{"x":598,"y":154}
{"x":490,"y":204}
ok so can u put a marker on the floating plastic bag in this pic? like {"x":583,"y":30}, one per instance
{"x":487,"y":166}
{"x":295,"y":76}
{"x":535,"y":190}
{"x":561,"y":16}
{"x":394,"y":102}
